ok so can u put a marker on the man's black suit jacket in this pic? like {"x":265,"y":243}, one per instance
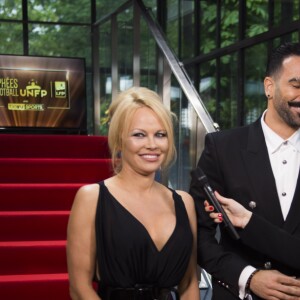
{"x":237,"y":165}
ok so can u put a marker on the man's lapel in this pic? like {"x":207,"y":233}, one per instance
{"x":261,"y":178}
{"x":293,"y":217}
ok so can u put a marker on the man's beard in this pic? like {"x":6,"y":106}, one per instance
{"x":282,"y":107}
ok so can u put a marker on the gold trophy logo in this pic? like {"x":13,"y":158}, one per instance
{"x":33,"y":90}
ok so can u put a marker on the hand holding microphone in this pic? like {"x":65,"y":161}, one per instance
{"x":237,"y":213}
{"x":203,"y":181}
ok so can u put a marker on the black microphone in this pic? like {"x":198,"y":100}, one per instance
{"x":203,"y":181}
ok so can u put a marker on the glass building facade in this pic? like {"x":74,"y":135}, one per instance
{"x":222,"y":44}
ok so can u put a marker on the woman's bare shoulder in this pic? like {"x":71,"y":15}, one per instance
{"x":89,"y":188}
{"x":87,"y":195}
{"x":184,"y":195}
{"x":187,"y":198}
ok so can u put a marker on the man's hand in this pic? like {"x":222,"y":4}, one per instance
{"x":273,"y":285}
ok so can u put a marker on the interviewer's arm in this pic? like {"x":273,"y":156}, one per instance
{"x":256,"y":229}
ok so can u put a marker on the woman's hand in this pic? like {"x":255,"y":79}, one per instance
{"x":238,"y":214}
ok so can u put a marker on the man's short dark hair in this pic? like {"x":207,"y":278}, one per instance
{"x":279,"y":54}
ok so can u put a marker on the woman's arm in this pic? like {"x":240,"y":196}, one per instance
{"x":189,"y":286}
{"x":81,"y":243}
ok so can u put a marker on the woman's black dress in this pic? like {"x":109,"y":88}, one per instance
{"x":127,"y":255}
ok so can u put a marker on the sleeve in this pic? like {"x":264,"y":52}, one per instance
{"x":224,"y":266}
{"x":263,"y":236}
{"x":246,"y":273}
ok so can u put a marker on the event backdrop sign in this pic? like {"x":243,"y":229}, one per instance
{"x":42,"y":92}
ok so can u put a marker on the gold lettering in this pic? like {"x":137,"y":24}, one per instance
{"x":16,"y":106}
{"x":34,"y":107}
{"x":22,"y":93}
{"x":9,"y":92}
{"x":33,"y":93}
{"x":9,"y":83}
{"x":22,"y":106}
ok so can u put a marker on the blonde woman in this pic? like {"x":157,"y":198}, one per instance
{"x":136,"y":236}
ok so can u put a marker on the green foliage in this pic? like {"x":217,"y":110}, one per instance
{"x":60,"y":40}
{"x":11,"y":40}
{"x":256,"y":22}
{"x":105,"y":7}
{"x":11,"y":9}
{"x":230,"y":18}
{"x":104,"y":116}
{"x":256,"y":29}
{"x":71,"y":11}
{"x":11,"y":34}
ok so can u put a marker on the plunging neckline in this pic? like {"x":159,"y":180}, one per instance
{"x":143,"y":226}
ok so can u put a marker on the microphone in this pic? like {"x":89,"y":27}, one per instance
{"x":203,"y":181}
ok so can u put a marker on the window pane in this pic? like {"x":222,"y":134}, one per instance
{"x":60,"y":40}
{"x":255,"y":99}
{"x":187,"y":29}
{"x":148,"y":58}
{"x":105,"y":74}
{"x":229,"y":22}
{"x":257,"y":17}
{"x":105,"y":7}
{"x":60,"y":11}
{"x":11,"y":9}
{"x":105,"y":48}
{"x":125,"y":49}
{"x":89,"y":101}
{"x":285,"y":11}
{"x":151,"y":4}
{"x":179,"y":105}
{"x":208,"y":26}
{"x":228,"y":92}
{"x":179,"y":173}
{"x":207,"y":88}
{"x":11,"y":38}
{"x":172,"y":25}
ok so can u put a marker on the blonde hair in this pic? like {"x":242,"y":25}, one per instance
{"x":120,"y":113}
